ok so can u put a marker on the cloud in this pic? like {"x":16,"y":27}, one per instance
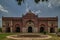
{"x":38,"y":11}
{"x":55,"y":3}
{"x":0,"y":19}
{"x":2,"y":9}
{"x":27,"y":9}
{"x":49,"y":5}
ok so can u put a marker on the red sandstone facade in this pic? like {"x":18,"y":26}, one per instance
{"x":30,"y":23}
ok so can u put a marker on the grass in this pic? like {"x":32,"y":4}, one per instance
{"x":54,"y":37}
{"x":3,"y":36}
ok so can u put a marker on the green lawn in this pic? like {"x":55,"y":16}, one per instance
{"x":3,"y":36}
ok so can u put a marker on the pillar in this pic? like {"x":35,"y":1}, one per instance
{"x":11,"y":29}
{"x":56,"y":29}
{"x":48,"y":29}
{"x":4,"y":29}
{"x":35,"y":29}
{"x":24,"y":30}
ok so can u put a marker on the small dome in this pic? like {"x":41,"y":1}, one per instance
{"x":30,"y":13}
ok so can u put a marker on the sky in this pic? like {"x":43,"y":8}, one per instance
{"x":10,"y":8}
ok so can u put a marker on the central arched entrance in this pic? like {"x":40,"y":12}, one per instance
{"x":30,"y":26}
{"x":41,"y":29}
{"x":29,"y":29}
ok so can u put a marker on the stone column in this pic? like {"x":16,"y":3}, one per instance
{"x":35,"y":29}
{"x":48,"y":29}
{"x":56,"y":29}
{"x":24,"y":30}
{"x":11,"y":29}
{"x":3,"y":29}
{"x":3,"y":26}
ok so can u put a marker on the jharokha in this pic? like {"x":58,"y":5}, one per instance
{"x":30,"y":23}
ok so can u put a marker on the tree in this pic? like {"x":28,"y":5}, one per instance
{"x":59,"y":30}
{"x":0,"y":29}
{"x":19,"y":1}
{"x":36,"y":1}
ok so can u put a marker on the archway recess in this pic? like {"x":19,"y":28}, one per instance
{"x":17,"y":29}
{"x":29,"y":29}
{"x":30,"y":26}
{"x":8,"y":29}
{"x":52,"y":30}
{"x":17,"y":26}
{"x":41,"y":29}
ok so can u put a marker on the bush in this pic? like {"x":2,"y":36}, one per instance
{"x":44,"y":32}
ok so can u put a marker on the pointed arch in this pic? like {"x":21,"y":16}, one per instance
{"x":30,"y":26}
{"x":17,"y":28}
{"x":42,"y":28}
{"x":29,"y":29}
{"x":52,"y":30}
{"x":8,"y":29}
{"x":30,"y":21}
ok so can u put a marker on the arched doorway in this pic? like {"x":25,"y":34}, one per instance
{"x":8,"y":29}
{"x":17,"y":29}
{"x":52,"y":30}
{"x":41,"y":29}
{"x":29,"y":29}
{"x":30,"y":26}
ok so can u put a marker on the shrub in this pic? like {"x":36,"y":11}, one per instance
{"x":44,"y":32}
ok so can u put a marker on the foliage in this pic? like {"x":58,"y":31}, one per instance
{"x":0,"y":29}
{"x":36,"y":1}
{"x":59,"y":30}
{"x":20,"y":1}
{"x":46,"y":0}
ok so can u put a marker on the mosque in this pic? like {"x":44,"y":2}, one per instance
{"x":29,"y":23}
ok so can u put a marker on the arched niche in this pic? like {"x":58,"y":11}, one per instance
{"x":42,"y":28}
{"x":30,"y":26}
{"x":17,"y":28}
{"x":7,"y":29}
{"x":52,"y":30}
{"x":29,"y":29}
